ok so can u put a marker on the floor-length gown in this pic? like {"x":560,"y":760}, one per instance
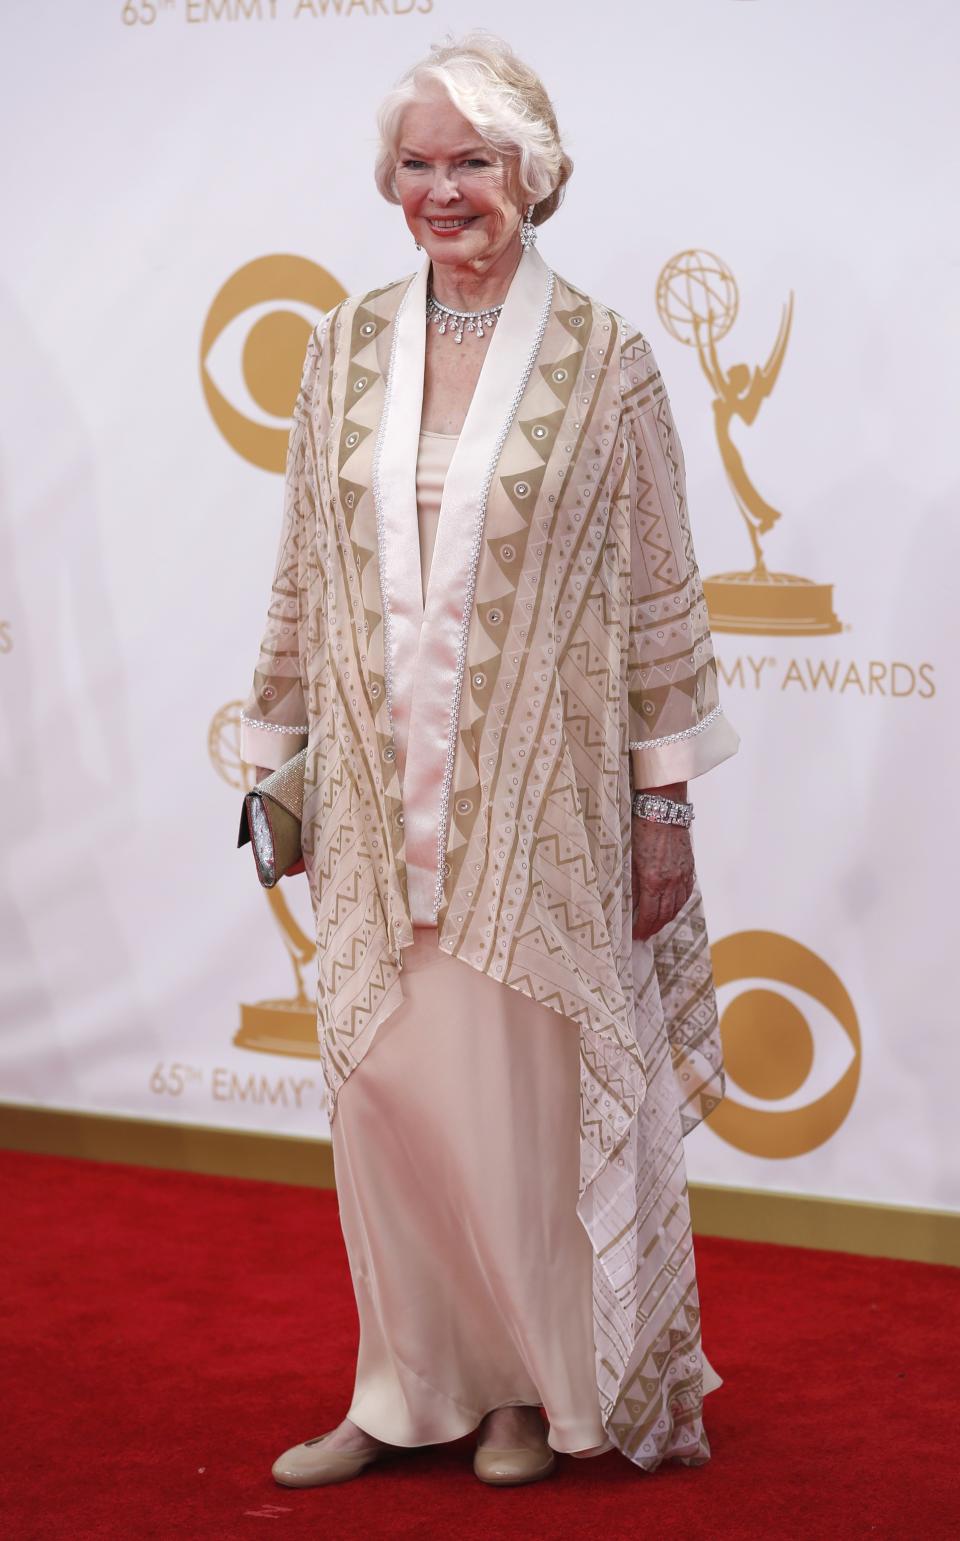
{"x":456,"y":1154}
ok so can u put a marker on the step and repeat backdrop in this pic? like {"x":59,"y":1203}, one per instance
{"x":765,"y":190}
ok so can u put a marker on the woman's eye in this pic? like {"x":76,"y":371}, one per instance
{"x":411,"y":165}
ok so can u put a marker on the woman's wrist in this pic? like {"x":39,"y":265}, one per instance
{"x":677,"y":790}
{"x":663,"y":805}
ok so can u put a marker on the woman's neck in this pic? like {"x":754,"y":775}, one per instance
{"x":467,"y":288}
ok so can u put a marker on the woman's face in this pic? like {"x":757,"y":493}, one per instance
{"x":455,"y":191}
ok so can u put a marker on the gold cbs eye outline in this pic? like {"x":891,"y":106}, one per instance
{"x":273,"y":351}
{"x":752,"y":1015}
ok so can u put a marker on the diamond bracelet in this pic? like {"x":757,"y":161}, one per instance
{"x":662,"y":810}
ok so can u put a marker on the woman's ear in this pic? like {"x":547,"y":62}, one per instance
{"x":511,"y":183}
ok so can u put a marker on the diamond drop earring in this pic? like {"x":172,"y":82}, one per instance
{"x":528,"y":230}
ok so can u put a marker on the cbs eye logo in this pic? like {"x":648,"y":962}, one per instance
{"x":794,"y":1050}
{"x":266,"y":358}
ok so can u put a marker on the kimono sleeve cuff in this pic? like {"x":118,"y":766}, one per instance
{"x":682,"y":756}
{"x":268,"y":745}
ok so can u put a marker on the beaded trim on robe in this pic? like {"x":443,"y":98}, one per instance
{"x":674,"y":738}
{"x":275,"y":727}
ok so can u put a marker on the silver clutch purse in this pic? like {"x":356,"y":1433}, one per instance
{"x":271,"y":820}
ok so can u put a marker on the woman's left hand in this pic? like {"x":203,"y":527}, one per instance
{"x":663,"y":874}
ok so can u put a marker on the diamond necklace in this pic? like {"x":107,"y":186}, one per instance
{"x":459,"y":321}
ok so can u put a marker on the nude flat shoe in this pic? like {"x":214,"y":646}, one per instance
{"x":505,"y":1468}
{"x":309,"y":1465}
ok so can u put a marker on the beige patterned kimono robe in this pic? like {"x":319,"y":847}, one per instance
{"x":564,"y":649}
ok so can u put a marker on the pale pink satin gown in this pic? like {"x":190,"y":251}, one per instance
{"x":456,"y":1153}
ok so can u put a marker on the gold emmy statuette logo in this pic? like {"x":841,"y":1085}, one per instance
{"x":287,"y":1024}
{"x":769,"y":1049}
{"x":697,"y":301}
{"x":273,"y":350}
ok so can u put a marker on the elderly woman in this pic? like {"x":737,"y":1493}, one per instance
{"x":488,"y":628}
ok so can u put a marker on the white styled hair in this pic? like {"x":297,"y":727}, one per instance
{"x":502,"y":98}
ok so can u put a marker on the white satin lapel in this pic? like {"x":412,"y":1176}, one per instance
{"x":438,"y":676}
{"x":505,"y":370}
{"x":395,"y":499}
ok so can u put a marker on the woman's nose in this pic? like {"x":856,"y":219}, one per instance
{"x":445,"y":187}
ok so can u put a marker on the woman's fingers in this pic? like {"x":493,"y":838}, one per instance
{"x":647,"y":917}
{"x":653,"y":910}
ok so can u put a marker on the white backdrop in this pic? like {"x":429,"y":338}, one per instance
{"x":155,"y":151}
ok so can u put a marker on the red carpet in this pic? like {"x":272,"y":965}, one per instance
{"x":165,"y":1336}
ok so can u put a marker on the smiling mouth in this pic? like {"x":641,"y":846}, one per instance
{"x":457,"y":223}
